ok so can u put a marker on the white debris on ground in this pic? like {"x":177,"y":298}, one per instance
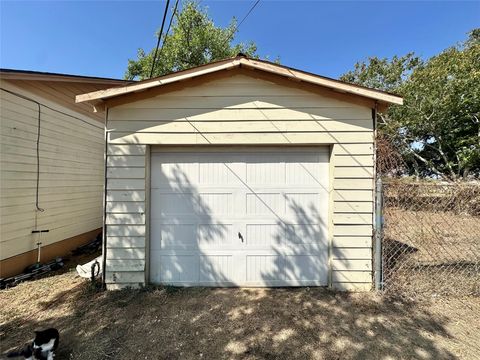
{"x":85,"y":270}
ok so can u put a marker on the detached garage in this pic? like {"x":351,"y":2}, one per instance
{"x":239,"y":173}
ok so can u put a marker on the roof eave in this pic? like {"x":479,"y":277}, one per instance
{"x":328,"y":83}
{"x":11,"y":74}
{"x":164,"y":80}
{"x":292,"y":74}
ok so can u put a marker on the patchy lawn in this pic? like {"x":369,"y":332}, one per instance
{"x":170,"y":323}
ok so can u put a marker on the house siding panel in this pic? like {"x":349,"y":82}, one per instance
{"x":71,"y":171}
{"x":125,"y":219}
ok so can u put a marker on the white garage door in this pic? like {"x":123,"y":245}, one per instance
{"x":239,"y":218}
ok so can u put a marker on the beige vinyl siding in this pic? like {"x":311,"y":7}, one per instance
{"x":71,"y":172}
{"x":243,"y":110}
{"x":65,"y":92}
{"x":125,"y":218}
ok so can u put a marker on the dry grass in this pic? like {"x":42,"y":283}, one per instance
{"x":196,"y":323}
{"x":431,"y":253}
{"x":439,"y":237}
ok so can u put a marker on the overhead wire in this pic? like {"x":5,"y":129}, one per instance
{"x":168,"y":29}
{"x":241,"y":22}
{"x":159,"y":38}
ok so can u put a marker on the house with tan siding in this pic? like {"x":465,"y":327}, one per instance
{"x":239,"y":173}
{"x":51,"y":166}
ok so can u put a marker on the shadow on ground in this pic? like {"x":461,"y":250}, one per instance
{"x":172,"y":323}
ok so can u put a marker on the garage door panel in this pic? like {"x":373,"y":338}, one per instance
{"x":304,"y":234}
{"x":289,"y":269}
{"x":225,"y":173}
{"x":176,"y":269}
{"x":180,"y":236}
{"x":165,"y":204}
{"x":193,"y":218}
{"x":214,"y":203}
{"x":190,"y":203}
{"x":305,"y":174}
{"x":264,"y":268}
{"x":299,"y":203}
{"x":241,"y":218}
{"x":306,"y":207}
{"x":216,"y":268}
{"x":260,"y":171}
{"x":214,"y":235}
{"x":192,"y":236}
{"x":264,"y":234}
{"x":305,"y":268}
{"x":265,"y":204}
{"x":318,"y":157}
{"x":175,"y":174}
{"x":278,"y":235}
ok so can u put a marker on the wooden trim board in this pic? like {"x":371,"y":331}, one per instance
{"x":244,"y":62}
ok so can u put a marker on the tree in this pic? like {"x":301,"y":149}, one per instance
{"x":437,"y":130}
{"x":383,"y":74}
{"x":193,"y":40}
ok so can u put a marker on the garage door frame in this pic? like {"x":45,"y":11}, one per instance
{"x":245,"y":148}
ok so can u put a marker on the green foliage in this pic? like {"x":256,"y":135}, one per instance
{"x":193,"y":40}
{"x":437,"y":130}
{"x":383,"y":74}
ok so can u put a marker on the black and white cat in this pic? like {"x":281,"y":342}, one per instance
{"x":42,"y":348}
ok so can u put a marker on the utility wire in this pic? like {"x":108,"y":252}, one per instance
{"x":168,"y":28}
{"x":159,"y":38}
{"x":241,"y":22}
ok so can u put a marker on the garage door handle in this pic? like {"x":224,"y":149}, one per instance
{"x":240,"y":236}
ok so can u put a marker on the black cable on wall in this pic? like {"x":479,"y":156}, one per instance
{"x":39,"y":116}
{"x":50,"y":108}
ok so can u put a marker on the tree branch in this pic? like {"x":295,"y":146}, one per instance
{"x":421,"y":158}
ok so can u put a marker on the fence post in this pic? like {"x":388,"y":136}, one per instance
{"x":378,"y":235}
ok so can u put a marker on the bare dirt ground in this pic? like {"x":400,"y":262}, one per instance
{"x":296,"y":323}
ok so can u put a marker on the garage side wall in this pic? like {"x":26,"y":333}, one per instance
{"x":125,"y":215}
{"x":241,"y":110}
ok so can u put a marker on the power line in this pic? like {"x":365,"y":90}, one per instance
{"x":241,"y":22}
{"x":168,"y":28}
{"x":159,"y":37}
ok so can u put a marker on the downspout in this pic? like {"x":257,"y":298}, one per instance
{"x":104,"y":230}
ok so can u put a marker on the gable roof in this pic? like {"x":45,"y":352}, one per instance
{"x":242,"y":61}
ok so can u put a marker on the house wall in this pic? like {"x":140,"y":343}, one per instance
{"x":64,"y":92}
{"x":239,"y":109}
{"x":71,"y":177}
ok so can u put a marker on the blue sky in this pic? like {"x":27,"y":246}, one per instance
{"x":98,"y":37}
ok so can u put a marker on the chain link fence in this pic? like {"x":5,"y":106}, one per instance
{"x":431,"y":252}
{"x":428,"y":245}
{"x":431,"y":239}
